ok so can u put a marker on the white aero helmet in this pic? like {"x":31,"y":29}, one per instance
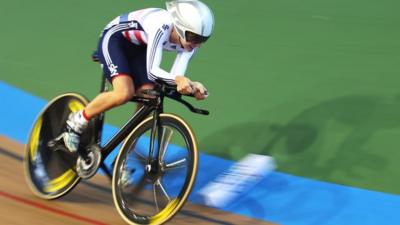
{"x":193,"y":20}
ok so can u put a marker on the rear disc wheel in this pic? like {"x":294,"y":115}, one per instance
{"x":51,"y":173}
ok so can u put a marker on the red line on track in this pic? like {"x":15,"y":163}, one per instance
{"x":50,"y":209}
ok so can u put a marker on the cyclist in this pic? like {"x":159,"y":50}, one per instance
{"x":130,"y":51}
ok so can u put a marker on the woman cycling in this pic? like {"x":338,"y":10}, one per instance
{"x":130,"y":52}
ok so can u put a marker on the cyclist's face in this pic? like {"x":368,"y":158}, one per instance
{"x":194,"y":40}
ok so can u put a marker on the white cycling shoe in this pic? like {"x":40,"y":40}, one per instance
{"x":75,"y":128}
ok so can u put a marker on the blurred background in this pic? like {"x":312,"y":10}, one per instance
{"x":315,"y":84}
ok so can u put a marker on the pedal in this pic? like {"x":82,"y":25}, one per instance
{"x":56,"y":141}
{"x":57,"y":144}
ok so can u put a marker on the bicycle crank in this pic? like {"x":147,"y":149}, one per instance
{"x":87,"y":166}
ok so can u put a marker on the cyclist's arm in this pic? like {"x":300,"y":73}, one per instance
{"x":154,"y":56}
{"x":181,"y":61}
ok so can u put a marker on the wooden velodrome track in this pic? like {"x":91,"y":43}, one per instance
{"x":89,"y":203}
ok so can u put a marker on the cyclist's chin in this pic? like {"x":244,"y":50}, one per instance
{"x":188,"y":48}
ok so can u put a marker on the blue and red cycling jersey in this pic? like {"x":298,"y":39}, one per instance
{"x":133,"y":44}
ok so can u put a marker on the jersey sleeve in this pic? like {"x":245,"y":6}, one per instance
{"x":181,"y":62}
{"x":154,"y":56}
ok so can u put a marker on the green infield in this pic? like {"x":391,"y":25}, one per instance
{"x":313,"y":83}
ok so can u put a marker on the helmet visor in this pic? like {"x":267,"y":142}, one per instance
{"x":195,"y":38}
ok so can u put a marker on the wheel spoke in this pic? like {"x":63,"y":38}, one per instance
{"x":159,"y":188}
{"x":165,"y":139}
{"x":140,"y":157}
{"x":155,"y":197}
{"x":176,"y":165}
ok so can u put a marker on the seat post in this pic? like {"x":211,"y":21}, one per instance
{"x":103,"y":85}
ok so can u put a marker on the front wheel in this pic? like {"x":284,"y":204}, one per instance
{"x":151,"y":190}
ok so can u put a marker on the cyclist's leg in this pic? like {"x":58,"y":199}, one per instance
{"x":123,"y":91}
{"x":114,"y":60}
{"x":138,"y":67}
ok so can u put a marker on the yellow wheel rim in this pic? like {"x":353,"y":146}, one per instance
{"x":35,"y":138}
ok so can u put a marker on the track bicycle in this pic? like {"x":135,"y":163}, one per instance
{"x":155,"y":168}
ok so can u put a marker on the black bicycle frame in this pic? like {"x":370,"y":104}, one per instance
{"x":138,"y":117}
{"x":149,"y":105}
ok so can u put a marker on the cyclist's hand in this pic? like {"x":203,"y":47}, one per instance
{"x":200,"y":92}
{"x":183,"y":85}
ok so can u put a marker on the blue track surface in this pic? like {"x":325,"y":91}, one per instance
{"x":280,"y":198}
